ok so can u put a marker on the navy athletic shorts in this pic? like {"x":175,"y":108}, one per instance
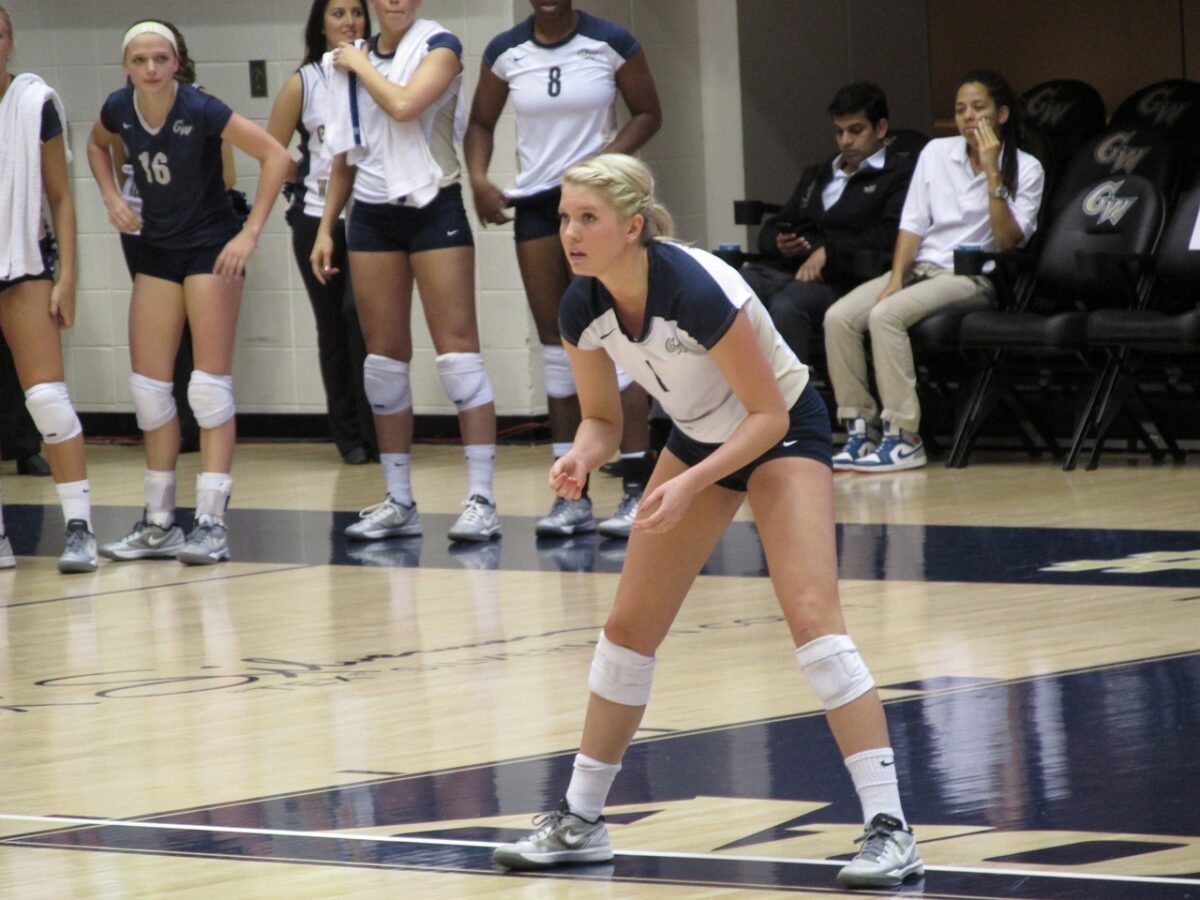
{"x":171,"y":264}
{"x":391,"y":227}
{"x":809,"y":435}
{"x":536,"y":215}
{"x":47,"y":273}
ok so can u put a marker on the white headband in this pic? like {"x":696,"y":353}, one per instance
{"x":150,"y":28}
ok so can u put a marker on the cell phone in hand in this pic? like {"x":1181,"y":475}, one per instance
{"x":785,"y":227}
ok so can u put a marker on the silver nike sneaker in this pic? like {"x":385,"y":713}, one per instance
{"x":384,"y":520}
{"x":620,"y":523}
{"x":146,"y":541}
{"x":888,"y":856}
{"x":207,"y":544}
{"x":567,"y":517}
{"x":7,"y":559}
{"x":80,"y":553}
{"x":478,"y":521}
{"x":560,"y":838}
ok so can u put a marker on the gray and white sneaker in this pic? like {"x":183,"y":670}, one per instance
{"x":384,"y":520}
{"x":146,"y":541}
{"x":80,"y":553}
{"x":478,"y":521}
{"x":560,"y":838}
{"x":567,"y":517}
{"x":207,"y":544}
{"x":620,"y":523}
{"x":7,"y":559}
{"x":888,"y":856}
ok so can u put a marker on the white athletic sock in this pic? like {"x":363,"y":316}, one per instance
{"x":590,"y":784}
{"x":481,"y":464}
{"x":160,"y":497}
{"x":561,"y":448}
{"x":397,"y":472}
{"x":76,"y":500}
{"x":874,"y":775}
{"x":212,"y":495}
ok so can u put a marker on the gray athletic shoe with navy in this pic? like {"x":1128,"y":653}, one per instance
{"x":478,"y":521}
{"x":146,"y":541}
{"x":567,"y":517}
{"x":207,"y":544}
{"x":7,"y":559}
{"x":80,"y":553}
{"x":384,"y":520}
{"x":560,"y":838}
{"x":888,"y":856}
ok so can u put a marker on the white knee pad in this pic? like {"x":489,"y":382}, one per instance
{"x":385,"y":382}
{"x":621,"y":675}
{"x":211,"y":397}
{"x":50,"y":407}
{"x":835,"y":671}
{"x":623,"y":379}
{"x":560,"y":383}
{"x":152,"y":401}
{"x":465,"y":380}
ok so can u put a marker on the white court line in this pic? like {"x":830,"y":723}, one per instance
{"x":653,"y":854}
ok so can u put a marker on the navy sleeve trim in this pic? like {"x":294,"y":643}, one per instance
{"x":52,"y":125}
{"x":446,"y":41}
{"x":575,"y":312}
{"x":506,"y":40}
{"x":612,"y":34}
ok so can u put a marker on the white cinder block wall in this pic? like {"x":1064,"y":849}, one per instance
{"x":75,"y":46}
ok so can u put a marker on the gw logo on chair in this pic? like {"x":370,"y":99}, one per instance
{"x":1044,"y":110}
{"x":1104,"y":203}
{"x":1116,"y":150}
{"x":1158,"y":104}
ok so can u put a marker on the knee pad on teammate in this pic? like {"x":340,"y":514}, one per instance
{"x":835,"y":671}
{"x":386,"y":384}
{"x":153,"y":402}
{"x":620,"y":675}
{"x":211,"y":398}
{"x":560,"y":382}
{"x":623,"y":379}
{"x":50,"y":407}
{"x":465,"y":380}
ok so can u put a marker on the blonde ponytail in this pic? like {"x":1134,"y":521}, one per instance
{"x":628,"y":184}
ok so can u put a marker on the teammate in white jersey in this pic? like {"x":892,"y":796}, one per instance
{"x":34,"y":309}
{"x":563,"y":69}
{"x":302,"y":108}
{"x":392,"y":127}
{"x":746,"y":423}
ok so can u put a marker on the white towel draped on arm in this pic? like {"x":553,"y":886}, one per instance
{"x":21,"y":174}
{"x":411,"y":171}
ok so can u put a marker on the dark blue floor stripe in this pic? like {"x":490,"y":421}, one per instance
{"x":1008,"y":555}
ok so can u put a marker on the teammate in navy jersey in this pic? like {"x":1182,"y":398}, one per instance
{"x":33,"y":307}
{"x":194,"y":253}
{"x":301,"y":109}
{"x":394,"y":119}
{"x":563,"y":69}
{"x":746,"y":423}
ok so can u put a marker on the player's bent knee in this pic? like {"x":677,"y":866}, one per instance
{"x":211,"y":398}
{"x":386,"y":384}
{"x":49,"y":406}
{"x":834,"y":669}
{"x":465,"y":380}
{"x":153,"y":402}
{"x":556,"y":367}
{"x":621,"y":675}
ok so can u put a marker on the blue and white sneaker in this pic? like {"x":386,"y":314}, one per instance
{"x":859,"y":442}
{"x":895,"y":453}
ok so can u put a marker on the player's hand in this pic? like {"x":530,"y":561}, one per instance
{"x":232,"y":261}
{"x":567,"y":477}
{"x":664,"y":507}
{"x":321,"y":258}
{"x":62,"y":303}
{"x":123,"y":218}
{"x":490,"y":203}
{"x":349,"y":58}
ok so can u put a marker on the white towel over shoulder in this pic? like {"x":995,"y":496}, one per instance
{"x":411,"y":171}
{"x":21,"y":174}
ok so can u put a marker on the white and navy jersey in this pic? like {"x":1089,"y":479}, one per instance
{"x":315,"y":165}
{"x":177,"y":167}
{"x":564,"y":95}
{"x":693,"y":299}
{"x":437,"y":124}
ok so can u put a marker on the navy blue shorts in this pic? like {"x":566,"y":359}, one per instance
{"x":171,"y":264}
{"x":536,"y":215}
{"x":47,"y":273}
{"x":390,"y":227}
{"x":809,"y":435}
